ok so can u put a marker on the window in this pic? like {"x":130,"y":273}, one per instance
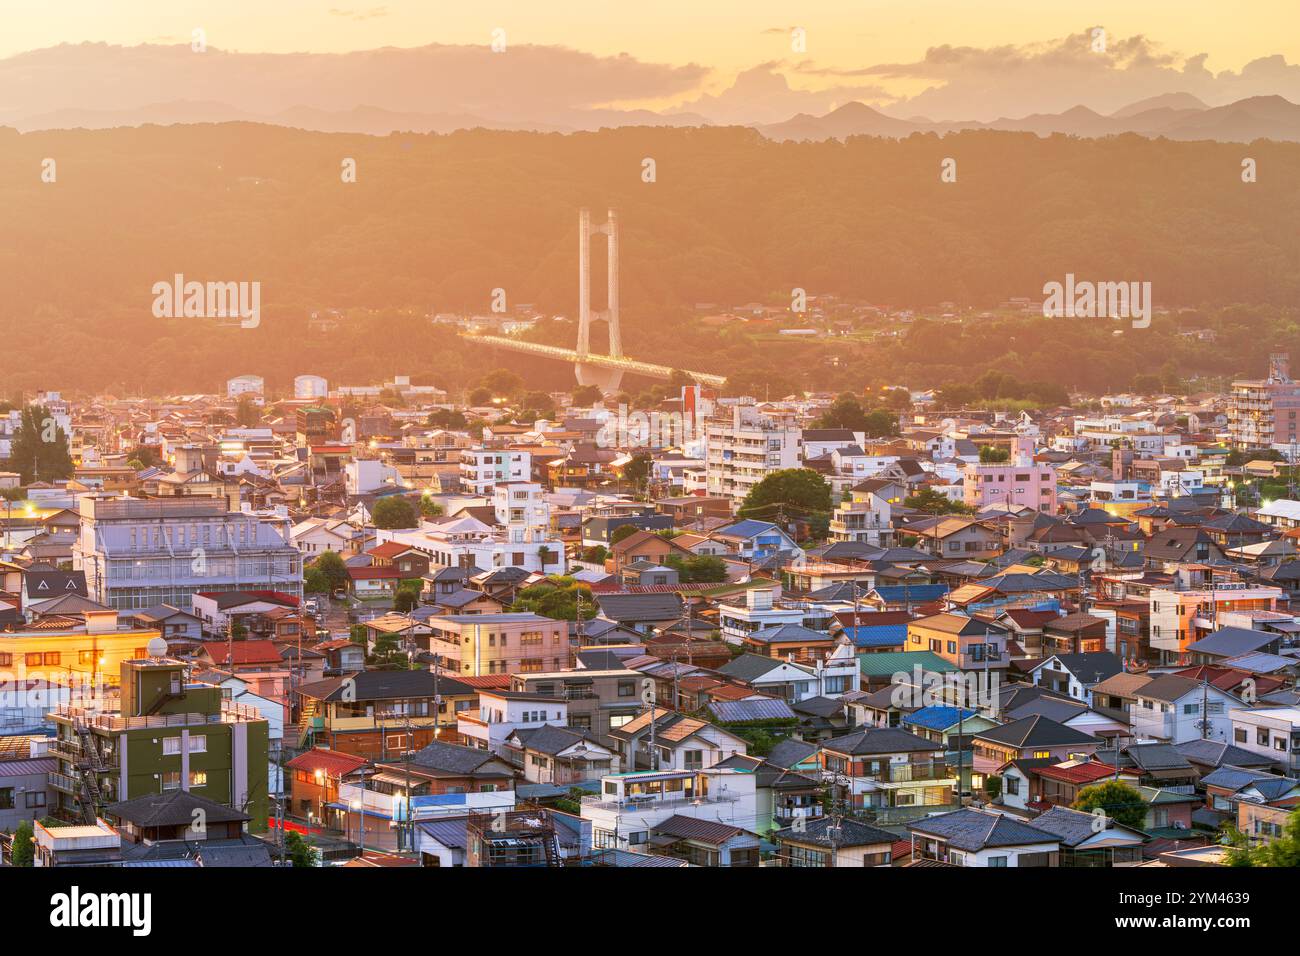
{"x":35,"y":798}
{"x":1012,"y":785}
{"x":6,"y":659}
{"x":1261,"y":736}
{"x":198,"y":778}
{"x":171,"y":745}
{"x":51,"y":658}
{"x":1239,"y":734}
{"x":32,"y":660}
{"x":6,"y":798}
{"x":198,"y":744}
{"x":1000,"y":861}
{"x":171,"y":780}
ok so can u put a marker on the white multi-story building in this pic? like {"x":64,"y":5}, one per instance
{"x":745,"y":448}
{"x":310,"y":387}
{"x":1111,"y":431}
{"x":501,"y":713}
{"x":137,"y":553}
{"x":245,"y":385}
{"x":365,"y":475}
{"x":629,"y":805}
{"x":521,"y":510}
{"x":482,"y":468}
{"x":1272,"y":732}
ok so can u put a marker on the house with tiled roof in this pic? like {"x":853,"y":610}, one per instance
{"x":977,"y":838}
{"x":1083,"y":844}
{"x":705,"y":842}
{"x":314,"y":777}
{"x":839,"y":842}
{"x":681,"y":742}
{"x":1035,"y":736}
{"x":888,"y":770}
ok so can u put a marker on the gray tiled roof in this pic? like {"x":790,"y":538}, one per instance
{"x":1036,"y":731}
{"x":1072,"y":827}
{"x":640,"y":607}
{"x":974,"y":830}
{"x":851,"y":833}
{"x":879,"y":740}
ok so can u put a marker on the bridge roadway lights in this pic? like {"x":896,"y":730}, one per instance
{"x":606,"y":379}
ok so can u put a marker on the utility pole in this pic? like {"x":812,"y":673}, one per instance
{"x":1205,"y":704}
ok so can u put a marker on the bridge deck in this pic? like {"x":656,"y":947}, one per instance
{"x":603,"y":361}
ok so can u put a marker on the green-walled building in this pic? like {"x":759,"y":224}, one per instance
{"x":168,"y":735}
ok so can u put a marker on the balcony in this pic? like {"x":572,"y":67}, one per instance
{"x":650,"y":801}
{"x":912,"y":772}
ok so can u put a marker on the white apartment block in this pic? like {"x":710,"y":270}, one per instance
{"x":481,"y":468}
{"x":745,"y":448}
{"x":1272,"y":732}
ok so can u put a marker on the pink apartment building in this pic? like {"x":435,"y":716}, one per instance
{"x":1020,"y":483}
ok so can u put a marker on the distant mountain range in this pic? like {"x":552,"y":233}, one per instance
{"x":440,"y":89}
{"x":1178,"y":116}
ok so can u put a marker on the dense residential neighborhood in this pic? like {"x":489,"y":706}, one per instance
{"x":382,"y":627}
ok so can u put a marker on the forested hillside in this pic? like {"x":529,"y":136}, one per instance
{"x":434,"y":223}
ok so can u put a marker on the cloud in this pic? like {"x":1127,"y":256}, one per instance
{"x":762,"y":94}
{"x":543,"y":83}
{"x":985,"y":83}
{"x":371,"y":14}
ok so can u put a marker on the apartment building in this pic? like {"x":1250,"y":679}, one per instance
{"x":1180,"y":618}
{"x":745,"y":447}
{"x":1263,"y":412}
{"x":168,"y":734}
{"x":139,"y":553}
{"x":80,"y":659}
{"x":509,"y":643}
{"x":481,"y":468}
{"x":598,"y":701}
{"x":1273,"y":733}
{"x":1020,"y":483}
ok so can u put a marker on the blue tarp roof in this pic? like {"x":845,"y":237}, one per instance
{"x":877,"y":635}
{"x":911,"y":592}
{"x":938,"y":718}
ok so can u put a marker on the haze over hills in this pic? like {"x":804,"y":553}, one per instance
{"x":1178,"y":116}
{"x":441,"y":89}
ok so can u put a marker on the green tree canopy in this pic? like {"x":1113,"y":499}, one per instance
{"x":39,"y":451}
{"x":935,"y":503}
{"x":330,"y":563}
{"x":787,"y":494}
{"x":394,"y":511}
{"x":621,"y":532}
{"x":23,"y":850}
{"x":1117,"y":800}
{"x":299,"y":850}
{"x":557,"y":598}
{"x":1282,"y":851}
{"x":449,"y":418}
{"x":586,"y":395}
